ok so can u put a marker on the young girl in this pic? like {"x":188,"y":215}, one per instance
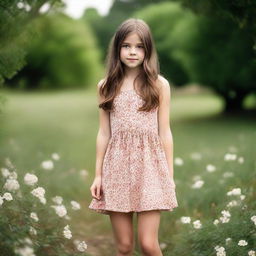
{"x":134,"y":151}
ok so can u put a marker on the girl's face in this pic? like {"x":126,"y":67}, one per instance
{"x":132,"y":51}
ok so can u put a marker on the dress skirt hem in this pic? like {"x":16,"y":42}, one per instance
{"x":108,"y":210}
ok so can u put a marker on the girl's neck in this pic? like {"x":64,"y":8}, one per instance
{"x":131,"y":73}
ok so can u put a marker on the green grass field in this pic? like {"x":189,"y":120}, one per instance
{"x":35,"y":125}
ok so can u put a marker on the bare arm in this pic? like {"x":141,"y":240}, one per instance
{"x":164,"y":122}
{"x":103,"y":136}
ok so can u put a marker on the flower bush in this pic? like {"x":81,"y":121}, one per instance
{"x":30,"y":222}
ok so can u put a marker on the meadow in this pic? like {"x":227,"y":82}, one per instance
{"x":52,"y":135}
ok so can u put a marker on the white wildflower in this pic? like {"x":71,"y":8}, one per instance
{"x":44,"y":8}
{"x":210,"y":168}
{"x":234,"y":192}
{"x":66,"y":232}
{"x":81,"y":246}
{"x":7,"y":196}
{"x":253,"y":219}
{"x":185,"y":219}
{"x":55,"y":156}
{"x":34,"y":216}
{"x":242,"y":243}
{"x":241,"y":160}
{"x":216,"y":222}
{"x":39,"y":193}
{"x":178,"y":161}
{"x":47,"y":165}
{"x":197,"y":224}
{"x":242,"y":197}
{"x":251,"y":253}
{"x":230,"y":157}
{"x":30,"y":179}
{"x":42,"y":200}
{"x":225,"y":216}
{"x":232,"y":203}
{"x":25,"y":251}
{"x":11,"y":184}
{"x":32,"y":231}
{"x":60,"y":210}
{"x":226,"y":213}
{"x":75,"y":205}
{"x":5,"y":172}
{"x":198,"y":184}
{"x":57,"y":199}
{"x":228,"y":240}
{"x":83,"y":173}
{"x":20,"y":5}
{"x":220,"y":250}
{"x":163,"y":245}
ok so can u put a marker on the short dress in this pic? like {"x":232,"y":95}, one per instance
{"x":135,"y":176}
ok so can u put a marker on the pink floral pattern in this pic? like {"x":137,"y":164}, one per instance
{"x":135,"y":174}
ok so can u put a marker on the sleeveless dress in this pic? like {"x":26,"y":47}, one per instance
{"x":135,"y":176}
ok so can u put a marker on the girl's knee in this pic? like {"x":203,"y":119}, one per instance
{"x":149,"y":247}
{"x":125,"y":248}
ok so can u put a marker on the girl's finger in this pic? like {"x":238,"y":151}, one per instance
{"x":98,"y":191}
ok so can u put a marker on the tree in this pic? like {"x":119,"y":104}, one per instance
{"x":211,"y":51}
{"x":162,"y":19}
{"x":15,"y":20}
{"x":63,"y":54}
{"x":217,"y":54}
{"x":241,"y":12}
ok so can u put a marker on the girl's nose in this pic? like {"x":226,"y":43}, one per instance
{"x":132,"y":50}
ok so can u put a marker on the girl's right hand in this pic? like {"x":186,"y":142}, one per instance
{"x":96,"y":188}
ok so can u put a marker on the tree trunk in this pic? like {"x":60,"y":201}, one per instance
{"x":234,"y":102}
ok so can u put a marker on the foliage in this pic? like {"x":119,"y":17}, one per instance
{"x":209,"y":51}
{"x":241,"y":12}
{"x":15,"y":19}
{"x":105,"y":26}
{"x":224,"y":205}
{"x":162,"y":19}
{"x":27,"y":221}
{"x":63,"y":53}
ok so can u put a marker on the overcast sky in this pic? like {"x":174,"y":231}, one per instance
{"x":75,"y":8}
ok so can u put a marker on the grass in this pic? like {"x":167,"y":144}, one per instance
{"x":34,"y":125}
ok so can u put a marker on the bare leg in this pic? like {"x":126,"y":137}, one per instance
{"x":148,"y":225}
{"x":122,"y":226}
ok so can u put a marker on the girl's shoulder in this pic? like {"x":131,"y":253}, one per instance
{"x":162,"y":83}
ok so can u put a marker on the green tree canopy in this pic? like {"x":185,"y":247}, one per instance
{"x":15,"y":20}
{"x":211,"y":51}
{"x":63,"y":54}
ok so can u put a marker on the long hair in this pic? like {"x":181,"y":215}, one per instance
{"x":146,"y":79}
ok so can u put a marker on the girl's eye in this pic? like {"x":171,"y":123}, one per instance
{"x":141,"y":46}
{"x":125,"y":45}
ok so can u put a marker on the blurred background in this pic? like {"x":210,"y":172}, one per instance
{"x":52,"y":55}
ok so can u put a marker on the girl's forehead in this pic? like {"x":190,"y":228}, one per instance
{"x":133,"y":37}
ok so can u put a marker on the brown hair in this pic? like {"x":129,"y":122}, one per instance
{"x":146,"y":80}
